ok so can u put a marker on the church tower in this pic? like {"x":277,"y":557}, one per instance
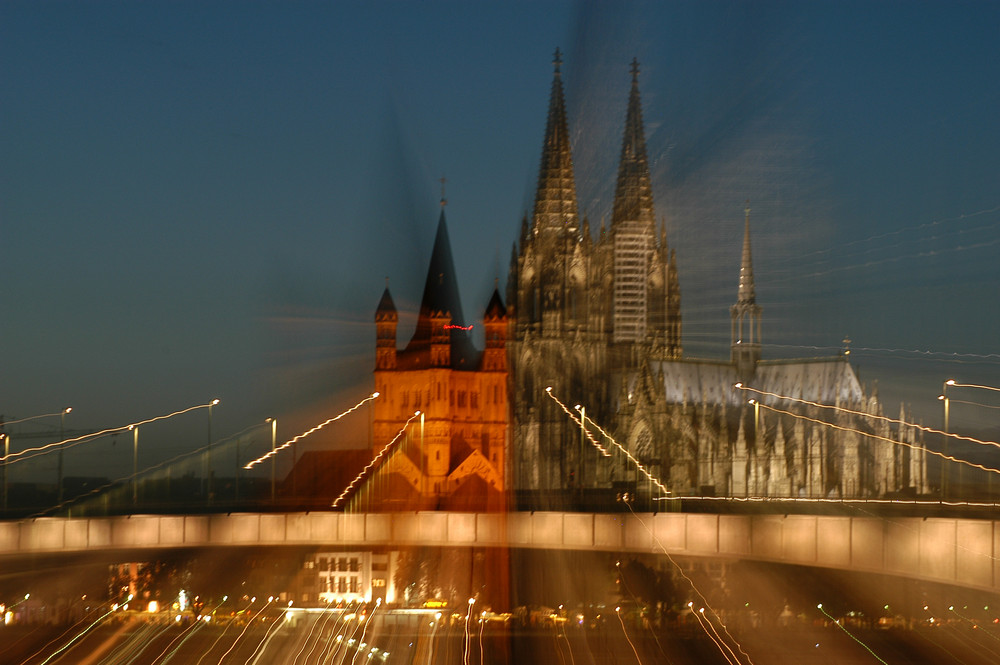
{"x":645,"y":298}
{"x":456,"y":457}
{"x":745,"y":314}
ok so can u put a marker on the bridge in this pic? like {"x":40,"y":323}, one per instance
{"x":957,"y":551}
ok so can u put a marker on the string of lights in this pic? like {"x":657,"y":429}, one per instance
{"x":291,"y":442}
{"x":618,"y":613}
{"x":86,"y":438}
{"x":881,"y":438}
{"x":142,"y":472}
{"x":639,"y":465}
{"x":246,"y":628}
{"x":572,"y":416}
{"x":714,"y":635}
{"x":849,"y":634}
{"x":978,"y":404}
{"x":845,"y":502}
{"x":954,"y":384}
{"x":381,"y":453}
{"x":929,"y":430}
{"x":41,"y":415}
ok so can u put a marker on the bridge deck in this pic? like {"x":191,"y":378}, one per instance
{"x":953,"y":551}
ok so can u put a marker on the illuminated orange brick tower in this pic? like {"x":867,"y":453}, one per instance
{"x":455,"y":456}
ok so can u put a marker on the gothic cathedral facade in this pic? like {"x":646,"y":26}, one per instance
{"x":598,"y":321}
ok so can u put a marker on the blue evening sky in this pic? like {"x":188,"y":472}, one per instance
{"x":203,"y":199}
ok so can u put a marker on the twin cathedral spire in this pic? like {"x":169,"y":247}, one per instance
{"x":623,"y":287}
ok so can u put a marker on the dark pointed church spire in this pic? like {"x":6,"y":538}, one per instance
{"x":555,"y":199}
{"x":634,"y":190}
{"x":440,"y":299}
{"x":633,"y":227}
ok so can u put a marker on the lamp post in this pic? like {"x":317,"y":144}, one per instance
{"x":423,"y":461}
{"x":59,"y":472}
{"x":135,"y":464}
{"x":583,"y":438}
{"x":6,"y":452}
{"x":208,"y":454}
{"x":274,"y":438}
{"x":944,"y":470}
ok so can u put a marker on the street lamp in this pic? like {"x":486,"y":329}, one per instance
{"x":944,"y":469}
{"x":6,"y":452}
{"x":59,"y":472}
{"x":274,"y":437}
{"x":208,"y":454}
{"x":135,"y":463}
{"x":583,"y":438}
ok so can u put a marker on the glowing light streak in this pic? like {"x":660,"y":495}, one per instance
{"x":951,"y":356}
{"x":848,"y":633}
{"x":886,"y":419}
{"x":57,"y":639}
{"x":327,"y":614}
{"x":77,"y":636}
{"x":482,"y":627}
{"x":85,"y":438}
{"x":953,"y":384}
{"x":452,"y":326}
{"x":952,"y":400}
{"x":572,"y":416}
{"x":186,"y":634}
{"x":702,"y":619}
{"x":909,"y":230}
{"x":142,"y":472}
{"x":687,"y":579}
{"x":268,"y":636}
{"x":351,"y":641}
{"x":245,"y":629}
{"x":639,"y":465}
{"x":381,"y":453}
{"x":43,"y":415}
{"x":468,"y":635}
{"x":886,"y":439}
{"x":367,"y":622}
{"x":846,"y":502}
{"x":223,"y":633}
{"x":701,"y":611}
{"x":618,"y":613}
{"x":299,"y":437}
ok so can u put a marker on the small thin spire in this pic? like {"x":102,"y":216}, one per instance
{"x":635,"y":70}
{"x":557,"y":61}
{"x":444,"y":201}
{"x":746,"y":291}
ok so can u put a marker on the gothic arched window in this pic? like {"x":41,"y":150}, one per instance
{"x":643,"y":445}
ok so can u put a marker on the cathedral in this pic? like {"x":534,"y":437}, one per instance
{"x":598,"y":321}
